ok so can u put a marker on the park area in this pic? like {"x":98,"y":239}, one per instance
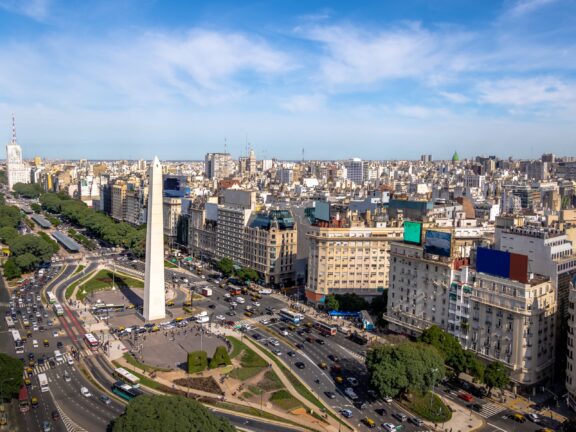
{"x":104,"y":280}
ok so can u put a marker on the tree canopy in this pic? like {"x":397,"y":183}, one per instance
{"x":351,"y":302}
{"x":332,"y":303}
{"x":226,"y":266}
{"x":170,"y":414}
{"x":395,"y":369}
{"x":496,"y":376}
{"x":11,"y":372}
{"x":28,"y":190}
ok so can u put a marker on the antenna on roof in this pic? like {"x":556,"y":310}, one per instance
{"x":225,"y":146}
{"x":302,"y":154}
{"x":13,"y":129}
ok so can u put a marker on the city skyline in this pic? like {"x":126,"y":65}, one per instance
{"x":131,"y":79}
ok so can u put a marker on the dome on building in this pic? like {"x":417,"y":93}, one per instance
{"x":455,"y":157}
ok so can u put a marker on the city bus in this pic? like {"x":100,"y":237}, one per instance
{"x":51,"y":297}
{"x":325,"y":329}
{"x":58,"y":310}
{"x":125,"y":391}
{"x":126,"y":377}
{"x":289,"y":316}
{"x":43,"y":381}
{"x":18,"y":344}
{"x":91,"y":341}
{"x":9,"y":322}
{"x":23,"y":402}
{"x":234,"y":290}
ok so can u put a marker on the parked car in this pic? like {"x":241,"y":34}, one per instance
{"x":388,"y":427}
{"x":400,"y":416}
{"x":534,"y":418}
{"x":466,"y":397}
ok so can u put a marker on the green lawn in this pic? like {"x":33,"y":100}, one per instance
{"x":237,"y":346}
{"x":429,"y":406}
{"x":79,"y":268}
{"x":130,"y":359}
{"x":250,"y":362}
{"x":270,"y":381}
{"x":70,"y":288}
{"x":169,"y":264}
{"x":285,"y":400}
{"x":244,"y":373}
{"x":103,"y":280}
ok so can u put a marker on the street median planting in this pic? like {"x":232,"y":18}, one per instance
{"x":106,"y":279}
{"x":285,"y":400}
{"x":429,"y":406}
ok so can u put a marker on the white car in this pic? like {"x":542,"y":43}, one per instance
{"x":227,"y":295}
{"x":265,"y":322}
{"x":534,"y":418}
{"x":85,"y":392}
{"x":55,"y":333}
{"x":233,"y":304}
{"x":220,"y":317}
{"x":35,"y":343}
{"x":387,"y":399}
{"x":350,"y":393}
{"x":274,"y":342}
{"x":257,"y":304}
{"x":389,"y":427}
{"x":70,"y":361}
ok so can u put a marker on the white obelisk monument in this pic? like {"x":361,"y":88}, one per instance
{"x":154,"y":294}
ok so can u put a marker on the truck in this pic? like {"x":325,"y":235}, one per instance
{"x":206,"y":292}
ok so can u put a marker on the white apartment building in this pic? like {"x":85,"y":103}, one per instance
{"x":355,"y":170}
{"x":496,"y":317}
{"x":16,"y":169}
{"x":172,"y":208}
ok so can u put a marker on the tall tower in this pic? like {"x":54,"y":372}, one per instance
{"x":154,"y":294}
{"x":16,"y":170}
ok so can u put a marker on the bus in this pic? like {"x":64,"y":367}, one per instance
{"x":91,"y":341}
{"x":18,"y":344}
{"x":23,"y":402}
{"x":125,"y":391}
{"x":43,"y":380}
{"x":289,"y":316}
{"x":51,"y":297}
{"x":58,"y":310}
{"x":9,"y":322}
{"x":358,"y":338}
{"x":234,"y":290}
{"x":126,"y":377}
{"x":325,"y":329}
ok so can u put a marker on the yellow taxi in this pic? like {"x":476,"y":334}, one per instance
{"x":369,"y":422}
{"x":323,"y":365}
{"x":169,"y":303}
{"x":188,"y":304}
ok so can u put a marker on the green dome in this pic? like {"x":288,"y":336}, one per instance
{"x":455,"y":157}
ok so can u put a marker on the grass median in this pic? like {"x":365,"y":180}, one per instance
{"x":106,"y":279}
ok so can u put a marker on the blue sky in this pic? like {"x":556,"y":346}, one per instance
{"x":383,"y":80}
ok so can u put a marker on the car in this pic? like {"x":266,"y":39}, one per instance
{"x":519,"y":418}
{"x":46,"y":426}
{"x":105,"y":399}
{"x":59,"y":344}
{"x":349,"y":391}
{"x":55,"y":415}
{"x":256,"y":336}
{"x":361,"y":405}
{"x":416,"y":421}
{"x":300,"y":365}
{"x":40,"y":361}
{"x":233,"y":304}
{"x":220,"y":317}
{"x":466,"y":397}
{"x":274,"y":342}
{"x":388,"y":427}
{"x":400,"y":416}
{"x":351,"y":380}
{"x":346,"y":413}
{"x":231,"y":313}
{"x":534,"y":418}
{"x":264,"y":322}
{"x":323,"y":365}
{"x":330,"y":395}
{"x":277,"y":352}
{"x":70,"y":361}
{"x":333,"y":358}
{"x":34,"y":402}
{"x":320,"y":341}
{"x":299,"y":346}
{"x":380,"y":411}
{"x":212,"y":306}
{"x":284,"y":333}
{"x":31,"y":356}
{"x":291,"y":353}
{"x":52,"y":363}
{"x":85,"y":392}
{"x":55,"y":333}
{"x":46,"y":343}
{"x":257,"y":304}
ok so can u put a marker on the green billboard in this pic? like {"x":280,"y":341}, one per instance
{"x":412,"y":232}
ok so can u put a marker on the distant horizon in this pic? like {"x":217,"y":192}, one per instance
{"x":383,"y":80}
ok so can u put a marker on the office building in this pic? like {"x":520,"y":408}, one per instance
{"x":218,"y":166}
{"x":17,"y":171}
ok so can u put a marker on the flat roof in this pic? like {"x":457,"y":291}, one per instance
{"x":41,"y":220}
{"x":66,"y":241}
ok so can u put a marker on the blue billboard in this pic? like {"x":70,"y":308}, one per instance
{"x":438,"y":243}
{"x":493,"y":262}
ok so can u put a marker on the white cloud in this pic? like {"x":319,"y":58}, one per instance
{"x":420,"y":112}
{"x":527,"y":92}
{"x":356,"y":57}
{"x":35,"y":9}
{"x":525,"y":7}
{"x":454,"y":97}
{"x":304,"y":103}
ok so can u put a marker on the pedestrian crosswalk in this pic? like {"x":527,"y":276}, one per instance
{"x":491,"y":409}
{"x":251,"y":320}
{"x":46,"y":365}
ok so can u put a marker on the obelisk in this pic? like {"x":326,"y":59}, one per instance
{"x":154,"y":294}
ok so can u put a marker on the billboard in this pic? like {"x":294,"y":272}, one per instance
{"x":413,"y":232}
{"x":493,"y":262}
{"x":519,"y":267}
{"x":438,"y":243}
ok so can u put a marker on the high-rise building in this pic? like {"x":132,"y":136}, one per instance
{"x":355,"y":170}
{"x":16,"y":169}
{"x":154,"y":289}
{"x":426,"y":158}
{"x":218,"y":165}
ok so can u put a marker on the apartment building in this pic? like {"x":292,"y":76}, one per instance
{"x":498,"y":309}
{"x":202,"y":230}
{"x":571,"y":346}
{"x":172,"y":209}
{"x":118,"y":207}
{"x":348,"y":256}
{"x":270,"y":246}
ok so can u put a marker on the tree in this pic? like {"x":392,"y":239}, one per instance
{"x":351,"y":302}
{"x":496,"y":376}
{"x":226,"y":266}
{"x":475,"y":366}
{"x":11,"y":269}
{"x":447,"y":345}
{"x":149,"y":413}
{"x":197,"y":361}
{"x":11,"y":372}
{"x":36,"y":207}
{"x":332,"y":303}
{"x":408,"y":366}
{"x":248,"y":274}
{"x":8,"y":233}
{"x":378,"y":307}
{"x":28,"y":190}
{"x":220,"y":358}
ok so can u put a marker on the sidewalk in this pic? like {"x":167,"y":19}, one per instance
{"x":463,"y":419}
{"x":524,"y":405}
